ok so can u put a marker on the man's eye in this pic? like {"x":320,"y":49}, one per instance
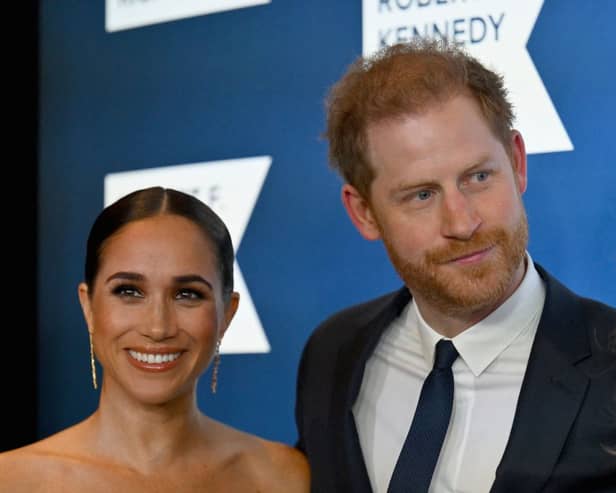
{"x":482,"y":175}
{"x":423,"y":195}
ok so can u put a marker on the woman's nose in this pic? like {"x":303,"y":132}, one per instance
{"x":162,"y":322}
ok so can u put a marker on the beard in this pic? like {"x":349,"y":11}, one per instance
{"x":461,"y":289}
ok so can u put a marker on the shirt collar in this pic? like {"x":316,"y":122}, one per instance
{"x":480,"y":344}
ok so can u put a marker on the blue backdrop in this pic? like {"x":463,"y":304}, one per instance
{"x":251,"y":82}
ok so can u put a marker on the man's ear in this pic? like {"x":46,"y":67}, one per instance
{"x":359,"y":211}
{"x":518,"y":157}
{"x":84,"y":300}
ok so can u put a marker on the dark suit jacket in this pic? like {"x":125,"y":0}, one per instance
{"x":566,"y":409}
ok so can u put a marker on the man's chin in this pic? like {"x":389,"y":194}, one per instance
{"x":462,"y":290}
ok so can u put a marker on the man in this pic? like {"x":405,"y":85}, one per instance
{"x":422,"y":136}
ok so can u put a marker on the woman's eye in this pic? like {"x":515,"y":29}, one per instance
{"x":127,"y":291}
{"x":189,"y":294}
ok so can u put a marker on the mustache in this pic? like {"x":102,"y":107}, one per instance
{"x":462,"y":248}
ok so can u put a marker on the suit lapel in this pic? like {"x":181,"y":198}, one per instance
{"x":551,"y":394}
{"x":352,"y":358}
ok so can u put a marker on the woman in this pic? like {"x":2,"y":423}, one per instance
{"x":157,"y":298}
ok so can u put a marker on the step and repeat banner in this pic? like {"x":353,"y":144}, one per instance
{"x":223,"y":99}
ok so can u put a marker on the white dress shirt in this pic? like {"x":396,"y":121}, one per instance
{"x":493,"y":355}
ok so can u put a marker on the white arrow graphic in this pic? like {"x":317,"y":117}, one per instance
{"x":494,"y":31}
{"x":231,"y":188}
{"x":127,"y":14}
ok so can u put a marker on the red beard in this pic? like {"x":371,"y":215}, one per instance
{"x":459,"y":289}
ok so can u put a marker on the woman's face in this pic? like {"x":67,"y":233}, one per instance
{"x":156,"y":309}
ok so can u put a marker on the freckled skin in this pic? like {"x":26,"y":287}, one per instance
{"x":446,"y":201}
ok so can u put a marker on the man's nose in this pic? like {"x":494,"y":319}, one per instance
{"x":460,"y":218}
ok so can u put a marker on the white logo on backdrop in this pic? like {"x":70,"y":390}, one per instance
{"x":494,"y":31}
{"x":127,"y":14}
{"x":231,"y":189}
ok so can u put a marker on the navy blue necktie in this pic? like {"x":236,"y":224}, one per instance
{"x":415,"y":466}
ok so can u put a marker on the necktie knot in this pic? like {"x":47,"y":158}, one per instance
{"x":445,"y":354}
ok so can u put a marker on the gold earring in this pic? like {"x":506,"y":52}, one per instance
{"x":92,"y":364}
{"x":214,"y":383}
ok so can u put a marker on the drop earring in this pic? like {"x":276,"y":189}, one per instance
{"x":214,"y":383}
{"x":92,"y":363}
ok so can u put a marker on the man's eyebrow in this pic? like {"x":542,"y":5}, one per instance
{"x":404,"y":188}
{"x":427,"y":183}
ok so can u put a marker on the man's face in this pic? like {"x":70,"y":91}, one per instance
{"x":446,"y":201}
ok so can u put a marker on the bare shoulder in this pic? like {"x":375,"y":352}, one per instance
{"x":40,"y":466}
{"x":272,"y":466}
{"x":28,"y":469}
{"x":13,"y":468}
{"x":290,"y":463}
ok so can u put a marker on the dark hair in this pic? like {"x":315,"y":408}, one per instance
{"x":402,"y":79}
{"x":154,"y":201}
